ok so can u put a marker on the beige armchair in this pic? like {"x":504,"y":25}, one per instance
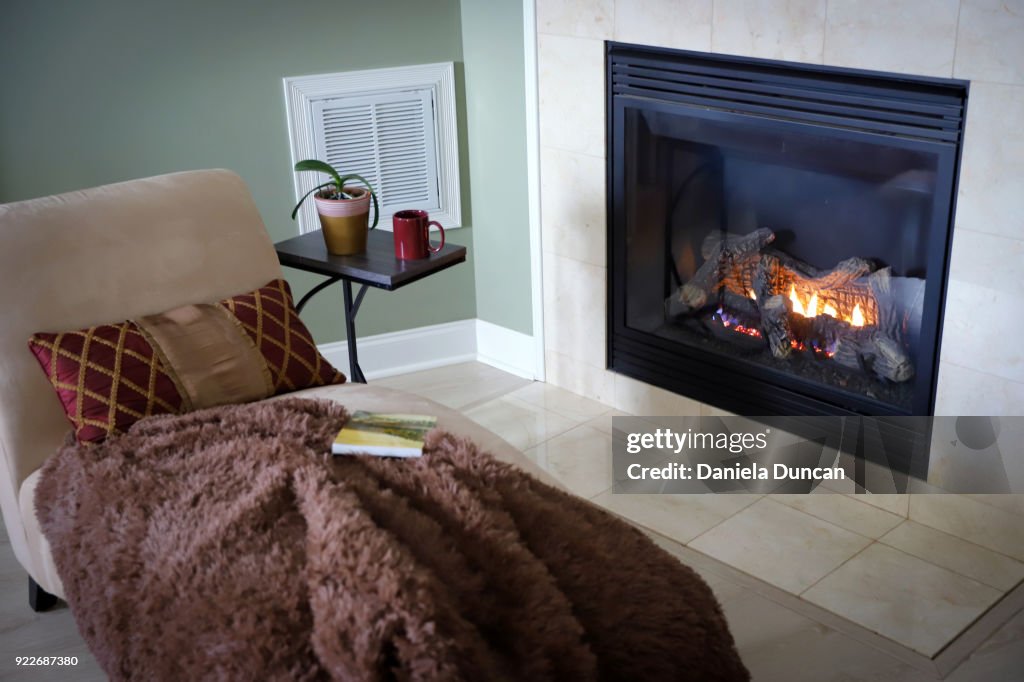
{"x":113,"y":253}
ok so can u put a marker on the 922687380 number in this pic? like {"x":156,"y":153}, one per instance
{"x":46,"y":660}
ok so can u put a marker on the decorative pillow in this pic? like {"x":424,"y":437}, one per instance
{"x":107,"y":377}
{"x":244,"y":348}
{"x":268,"y":316}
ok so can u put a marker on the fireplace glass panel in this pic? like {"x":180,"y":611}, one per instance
{"x":797,"y":249}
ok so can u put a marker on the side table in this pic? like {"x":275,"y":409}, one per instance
{"x":377,"y":267}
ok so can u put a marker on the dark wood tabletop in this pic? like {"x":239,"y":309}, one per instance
{"x":377,"y":267}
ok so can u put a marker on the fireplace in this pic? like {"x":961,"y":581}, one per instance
{"x":779,"y":234}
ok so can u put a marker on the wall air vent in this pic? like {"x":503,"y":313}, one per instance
{"x":395,"y":127}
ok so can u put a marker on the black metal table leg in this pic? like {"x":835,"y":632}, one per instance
{"x":39,"y":599}
{"x":351,"y":308}
{"x":314,"y":291}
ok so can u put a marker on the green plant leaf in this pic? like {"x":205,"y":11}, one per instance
{"x":295,"y":211}
{"x":376,"y":209}
{"x":320,"y":166}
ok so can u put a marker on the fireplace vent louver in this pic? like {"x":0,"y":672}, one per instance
{"x":817,"y":95}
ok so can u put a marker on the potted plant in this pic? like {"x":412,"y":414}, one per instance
{"x":344,"y":209}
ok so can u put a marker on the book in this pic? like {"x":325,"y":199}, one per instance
{"x":383,"y":435}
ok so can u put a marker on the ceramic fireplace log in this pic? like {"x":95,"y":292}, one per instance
{"x":873,"y":349}
{"x":845,"y":272}
{"x":775,"y":314}
{"x":728,"y":253}
{"x":752,"y":242}
{"x":756,"y":283}
{"x":741,"y":306}
{"x":877,"y":353}
{"x":741,"y":264}
{"x":844,"y":286}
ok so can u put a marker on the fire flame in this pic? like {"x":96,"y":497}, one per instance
{"x":856,"y":317}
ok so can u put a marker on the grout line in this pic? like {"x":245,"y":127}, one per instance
{"x":994,"y":551}
{"x":564,"y":150}
{"x":711,"y":28}
{"x":805,"y":609}
{"x":586,"y":420}
{"x":948,"y":659}
{"x":480,"y":402}
{"x":824,"y":33}
{"x":981,"y":371}
{"x":742,"y":509}
{"x":956,"y":537}
{"x":987,"y":504}
{"x":846,"y":561}
{"x":984,"y":232}
{"x":956,"y":39}
{"x":971,"y":624}
{"x":853,"y":498}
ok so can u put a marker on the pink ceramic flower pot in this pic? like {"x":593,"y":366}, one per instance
{"x":345,"y":221}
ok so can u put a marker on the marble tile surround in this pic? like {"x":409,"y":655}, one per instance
{"x":978,"y":40}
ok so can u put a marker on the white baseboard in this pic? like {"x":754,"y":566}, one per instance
{"x":438,"y":345}
{"x":410,"y":350}
{"x":506,"y":349}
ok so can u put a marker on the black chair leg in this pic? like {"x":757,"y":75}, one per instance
{"x":38,"y":598}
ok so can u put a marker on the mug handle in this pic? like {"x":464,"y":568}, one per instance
{"x":427,"y":230}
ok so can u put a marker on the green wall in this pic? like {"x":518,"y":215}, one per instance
{"x":99,"y":91}
{"x":492,"y":46}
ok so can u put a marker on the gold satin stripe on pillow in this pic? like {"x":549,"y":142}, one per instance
{"x":212,"y":360}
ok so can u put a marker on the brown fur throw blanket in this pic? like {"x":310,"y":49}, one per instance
{"x":229,"y":544}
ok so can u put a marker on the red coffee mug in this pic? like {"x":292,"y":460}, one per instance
{"x":412,"y":235}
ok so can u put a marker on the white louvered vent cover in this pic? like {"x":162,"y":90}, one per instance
{"x":396,"y":127}
{"x":389,"y":140}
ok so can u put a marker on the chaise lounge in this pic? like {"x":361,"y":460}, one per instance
{"x":134,"y":249}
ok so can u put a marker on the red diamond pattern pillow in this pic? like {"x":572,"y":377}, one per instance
{"x":269,"y":318}
{"x":107,"y":378}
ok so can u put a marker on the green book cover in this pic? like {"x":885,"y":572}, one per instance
{"x":384,"y":435}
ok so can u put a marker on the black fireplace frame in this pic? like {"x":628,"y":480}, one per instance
{"x":918,"y":110}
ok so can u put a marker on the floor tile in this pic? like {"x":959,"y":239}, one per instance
{"x":26,"y":633}
{"x":960,"y":556}
{"x":603,"y":422}
{"x":845,"y":512}
{"x":680,"y":517}
{"x":780,"y":545}
{"x":645,"y":400}
{"x":723,"y":588}
{"x":559,"y":401}
{"x":580,"y":459}
{"x":982,"y":524}
{"x":521,"y":424}
{"x":780,"y":645}
{"x":918,"y":604}
{"x":457,"y":386}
